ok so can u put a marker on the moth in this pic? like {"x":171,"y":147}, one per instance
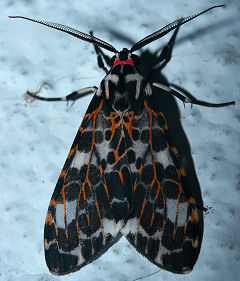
{"x":123,"y":175}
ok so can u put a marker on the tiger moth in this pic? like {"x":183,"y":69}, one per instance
{"x":123,"y":175}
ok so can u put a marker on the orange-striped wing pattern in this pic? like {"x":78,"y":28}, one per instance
{"x":121,"y":177}
{"x":164,"y":224}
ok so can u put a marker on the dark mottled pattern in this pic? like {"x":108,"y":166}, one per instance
{"x":157,"y":194}
{"x":119,"y":178}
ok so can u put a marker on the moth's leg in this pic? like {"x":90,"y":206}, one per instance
{"x":191,"y":99}
{"x":165,"y":55}
{"x":71,"y":97}
{"x":100,"y":56}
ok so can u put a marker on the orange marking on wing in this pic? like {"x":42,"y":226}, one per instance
{"x":83,"y":190}
{"x":194,"y":216}
{"x":98,"y":211}
{"x":142,"y":210}
{"x":178,"y":173}
{"x":116,"y":154}
{"x":65,"y":174}
{"x":53,"y":202}
{"x":77,"y":227}
{"x":151,"y":112}
{"x":49,"y":219}
{"x":190,"y":200}
{"x":120,"y":175}
{"x":174,"y":149}
{"x":135,"y":185}
{"x":152,"y":219}
{"x":163,"y":197}
{"x":64,"y":208}
{"x":88,"y":219}
{"x":165,"y":127}
{"x":106,"y":190}
{"x":100,"y":169}
{"x":72,"y":150}
{"x":183,"y":172}
{"x":140,"y":169}
{"x":163,"y":228}
{"x":180,"y":188}
{"x":128,"y":125}
{"x":113,"y":116}
{"x":178,"y":202}
{"x":89,"y":184}
{"x":174,"y":233}
{"x":159,"y":187}
{"x":62,"y":174}
{"x":94,"y":113}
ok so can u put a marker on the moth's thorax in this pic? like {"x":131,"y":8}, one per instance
{"x":123,"y":86}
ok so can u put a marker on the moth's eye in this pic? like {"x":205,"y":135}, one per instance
{"x":135,"y":59}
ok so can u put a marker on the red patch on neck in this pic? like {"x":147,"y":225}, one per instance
{"x":117,"y":61}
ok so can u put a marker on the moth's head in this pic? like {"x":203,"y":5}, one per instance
{"x":125,"y":57}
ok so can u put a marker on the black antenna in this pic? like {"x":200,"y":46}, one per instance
{"x":73,"y":32}
{"x":163,"y":31}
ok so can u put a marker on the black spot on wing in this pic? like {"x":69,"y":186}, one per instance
{"x":93,"y":174}
{"x":114,"y":186}
{"x":73,"y":240}
{"x":111,"y":158}
{"x":98,"y":136}
{"x":107,"y":135}
{"x":141,"y":242}
{"x":86,"y":247}
{"x":158,"y":140}
{"x":131,"y":156}
{"x":93,"y":218}
{"x":103,"y":202}
{"x":83,"y":173}
{"x":171,"y":173}
{"x":60,"y":263}
{"x":139,"y":162}
{"x":146,"y":217}
{"x":139,"y":196}
{"x":62,"y":239}
{"x":147,"y":174}
{"x":179,"y":237}
{"x":167,"y":238}
{"x":85,"y":142}
{"x":171,"y":190}
{"x":159,"y":171}
{"x":97,"y":243}
{"x":144,"y":137}
{"x":153,"y":248}
{"x":72,"y":191}
{"x":135,"y":134}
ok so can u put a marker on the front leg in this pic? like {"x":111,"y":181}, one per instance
{"x":71,"y":97}
{"x":191,"y":99}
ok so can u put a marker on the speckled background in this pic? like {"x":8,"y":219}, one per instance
{"x":35,"y":137}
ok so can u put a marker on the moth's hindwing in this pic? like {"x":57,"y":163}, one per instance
{"x":89,"y":205}
{"x":163,"y":225}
